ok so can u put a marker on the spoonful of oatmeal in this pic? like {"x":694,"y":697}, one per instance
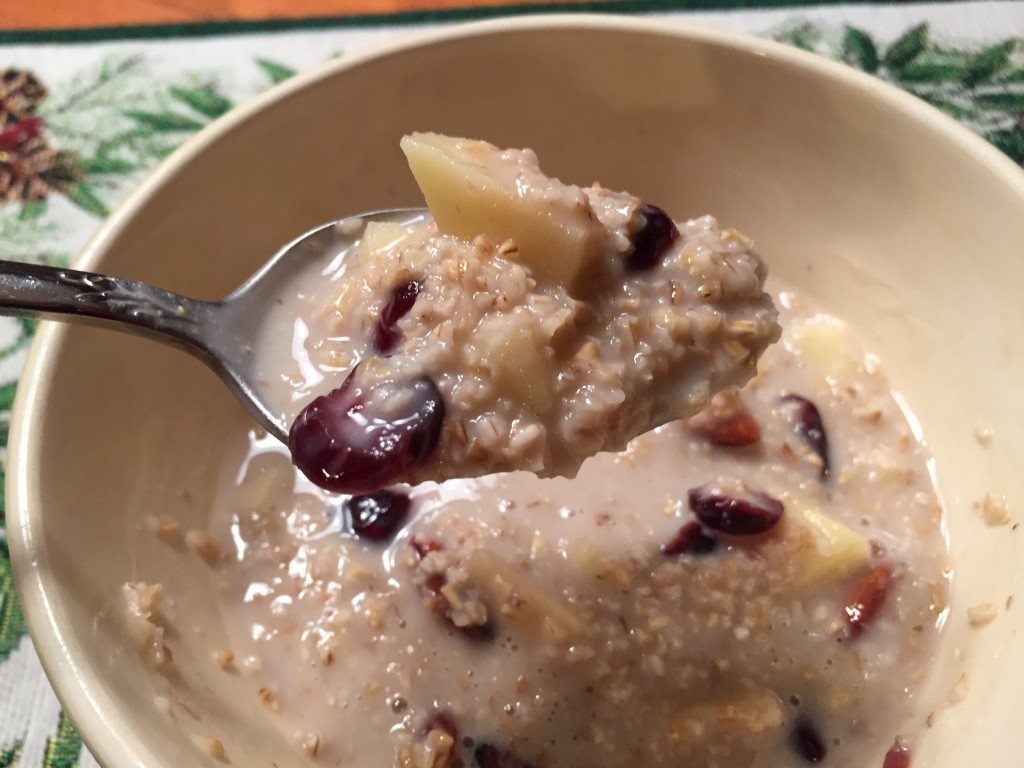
{"x":518,"y":323}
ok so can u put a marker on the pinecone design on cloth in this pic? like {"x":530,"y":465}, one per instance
{"x":30,"y":169}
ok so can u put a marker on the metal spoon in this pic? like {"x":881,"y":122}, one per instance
{"x":220,"y":333}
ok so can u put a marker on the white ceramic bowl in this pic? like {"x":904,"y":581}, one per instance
{"x":888,"y":213}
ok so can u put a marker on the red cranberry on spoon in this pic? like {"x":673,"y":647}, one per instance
{"x":359,"y":439}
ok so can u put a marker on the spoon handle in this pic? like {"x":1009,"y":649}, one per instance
{"x":205,"y":329}
{"x":57,"y":293}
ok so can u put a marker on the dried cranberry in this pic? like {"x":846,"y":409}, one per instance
{"x":748,"y":514}
{"x":866,"y":598}
{"x":807,"y":742}
{"x":434,"y":583}
{"x":809,"y":427}
{"x":376,"y":516}
{"x":422,"y":547}
{"x":357,"y":440}
{"x":652,"y":238}
{"x":690,"y":540}
{"x":726,"y":422}
{"x":385,"y":336}
{"x":480,"y":633}
{"x":489,"y":756}
{"x":898,"y":756}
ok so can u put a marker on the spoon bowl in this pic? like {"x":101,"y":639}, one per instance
{"x":220,"y":333}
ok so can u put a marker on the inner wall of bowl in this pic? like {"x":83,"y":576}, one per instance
{"x":886,"y":222}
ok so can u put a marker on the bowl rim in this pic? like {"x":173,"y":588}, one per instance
{"x":78,"y":695}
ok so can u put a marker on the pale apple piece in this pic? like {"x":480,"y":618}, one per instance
{"x":583,"y":555}
{"x":521,"y":600}
{"x":380,"y":236}
{"x":521,"y":365}
{"x":471,"y":189}
{"x":376,"y":240}
{"x":830,"y":551}
{"x":729,"y":718}
{"x":827,"y":345}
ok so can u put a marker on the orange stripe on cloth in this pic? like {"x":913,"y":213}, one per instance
{"x":75,"y":14}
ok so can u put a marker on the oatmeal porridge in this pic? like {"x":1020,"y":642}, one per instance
{"x":528,"y":325}
{"x":762,"y":584}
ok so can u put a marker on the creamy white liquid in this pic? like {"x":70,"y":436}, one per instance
{"x":642,"y":660}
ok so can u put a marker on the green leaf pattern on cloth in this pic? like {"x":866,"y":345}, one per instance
{"x":10,"y":756}
{"x":983,"y":88}
{"x":65,"y":748}
{"x":81,"y":144}
{"x":12,"y":622}
{"x":278,"y":73}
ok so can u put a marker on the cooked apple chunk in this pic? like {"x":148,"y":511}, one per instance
{"x":735,"y":727}
{"x":826,"y":344}
{"x":519,"y":359}
{"x":378,"y":236}
{"x":473,"y":188}
{"x":828,"y":550}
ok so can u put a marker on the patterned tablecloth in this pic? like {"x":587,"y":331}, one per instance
{"x":85,"y":115}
